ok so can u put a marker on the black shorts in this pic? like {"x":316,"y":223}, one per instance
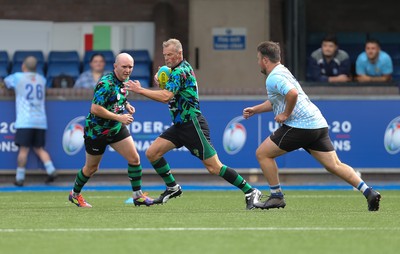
{"x":194,"y":135}
{"x":289,"y":139}
{"x":98,"y":145}
{"x":30,"y":137}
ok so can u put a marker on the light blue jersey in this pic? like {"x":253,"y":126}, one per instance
{"x":305,"y":114}
{"x":30,"y":99}
{"x":382,"y":66}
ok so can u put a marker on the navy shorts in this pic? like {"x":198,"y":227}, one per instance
{"x":98,"y":145}
{"x":194,"y":135}
{"x":30,"y":137}
{"x":289,"y":139}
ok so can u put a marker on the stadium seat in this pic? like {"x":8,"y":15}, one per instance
{"x":63,"y":56}
{"x":108,"y":55}
{"x":141,"y":72}
{"x":353,"y":50}
{"x":351,"y":38}
{"x":144,"y":82}
{"x":315,"y":38}
{"x":3,"y":70}
{"x":17,"y":67}
{"x":20,"y":55}
{"x":139,"y":55}
{"x":386,"y":38}
{"x":396,"y":73}
{"x":4,"y":64}
{"x":395,"y":57}
{"x":4,"y":56}
{"x":58,"y":69}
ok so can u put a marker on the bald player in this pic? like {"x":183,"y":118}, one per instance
{"x":106,"y":125}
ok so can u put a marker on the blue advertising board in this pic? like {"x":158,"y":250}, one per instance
{"x":365,"y":134}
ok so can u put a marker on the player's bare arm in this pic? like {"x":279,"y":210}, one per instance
{"x":266,"y":106}
{"x":99,"y":111}
{"x":163,"y":96}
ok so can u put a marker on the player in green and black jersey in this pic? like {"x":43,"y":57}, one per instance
{"x":105,"y":125}
{"x":190,"y":128}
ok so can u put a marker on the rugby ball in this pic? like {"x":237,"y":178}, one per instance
{"x":163,"y":76}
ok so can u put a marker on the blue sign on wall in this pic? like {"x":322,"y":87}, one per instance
{"x":229,"y":38}
{"x":361,"y":137}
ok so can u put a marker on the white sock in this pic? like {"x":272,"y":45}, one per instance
{"x":20,"y":175}
{"x":362,"y":187}
{"x":174,"y":188}
{"x":137,"y":194}
{"x":275,"y":188}
{"x":74,"y":193}
{"x":49,"y":167}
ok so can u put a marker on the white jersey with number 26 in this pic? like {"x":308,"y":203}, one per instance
{"x":30,"y":99}
{"x":305,"y":114}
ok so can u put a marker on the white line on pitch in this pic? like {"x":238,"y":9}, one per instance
{"x":27,"y":230}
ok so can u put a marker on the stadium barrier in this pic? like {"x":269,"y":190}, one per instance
{"x":365,"y":132}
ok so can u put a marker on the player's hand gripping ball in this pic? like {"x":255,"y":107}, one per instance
{"x":163,"y":76}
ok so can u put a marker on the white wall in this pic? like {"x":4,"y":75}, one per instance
{"x":47,"y":35}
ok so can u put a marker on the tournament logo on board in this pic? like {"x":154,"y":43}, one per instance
{"x":392,"y":136}
{"x":234,"y":136}
{"x":73,"y":136}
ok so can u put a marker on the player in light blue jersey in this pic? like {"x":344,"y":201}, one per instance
{"x":31,"y":122}
{"x":302,"y":126}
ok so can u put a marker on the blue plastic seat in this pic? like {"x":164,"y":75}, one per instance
{"x":20,"y":55}
{"x":353,"y":50}
{"x":17,"y":67}
{"x":4,"y":56}
{"x":140,"y":70}
{"x":396,"y":72}
{"x":139,"y":55}
{"x":144,"y":82}
{"x":58,"y":69}
{"x":3,"y":70}
{"x":63,"y":56}
{"x":4,"y":64}
{"x":351,"y":38}
{"x":386,"y":37}
{"x":108,"y":55}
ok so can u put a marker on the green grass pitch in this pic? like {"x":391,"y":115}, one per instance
{"x":198,"y":222}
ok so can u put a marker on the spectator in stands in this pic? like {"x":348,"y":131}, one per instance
{"x":329,"y":63}
{"x":89,"y":78}
{"x":374,"y":65}
{"x":31,"y":122}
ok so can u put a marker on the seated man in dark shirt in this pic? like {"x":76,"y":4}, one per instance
{"x":329,"y":63}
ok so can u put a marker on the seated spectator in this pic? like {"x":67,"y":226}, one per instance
{"x":89,"y":78}
{"x":374,"y":65}
{"x":329,"y":63}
